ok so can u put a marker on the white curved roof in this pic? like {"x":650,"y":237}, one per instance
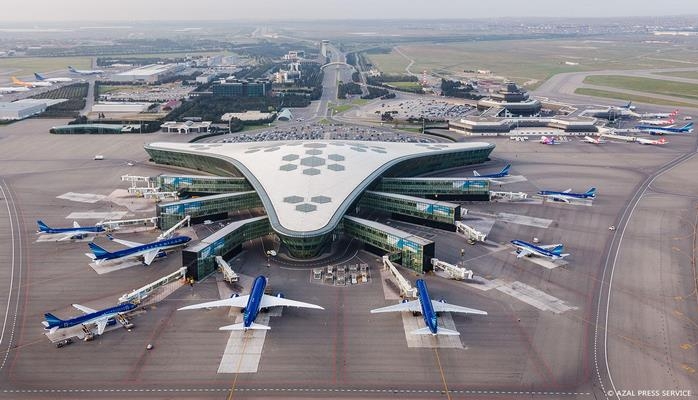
{"x":306,"y":186}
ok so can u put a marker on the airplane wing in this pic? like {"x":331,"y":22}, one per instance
{"x":125,"y":242}
{"x":567,"y":191}
{"x":75,"y":224}
{"x":445,"y":307}
{"x":86,"y":310}
{"x":240,"y":301}
{"x":65,"y":236}
{"x":101,"y":325}
{"x":523,"y":253}
{"x":414,"y":306}
{"x":439,"y":331}
{"x":549,"y":246}
{"x":150,"y":256}
{"x":559,"y":198}
{"x":273,"y":301}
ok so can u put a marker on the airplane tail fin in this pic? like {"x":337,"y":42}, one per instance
{"x":71,"y":69}
{"x":591,"y":192}
{"x":661,"y":141}
{"x":475,"y":173}
{"x":688,"y":126}
{"x":557,"y":250}
{"x":38,"y":76}
{"x":51,"y":320}
{"x":97,"y":251}
{"x":439,"y":331}
{"x":15,"y":80}
{"x":241,"y":327}
{"x":42,"y":226}
{"x":506,"y":169}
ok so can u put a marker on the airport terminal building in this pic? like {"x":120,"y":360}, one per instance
{"x":311,"y":192}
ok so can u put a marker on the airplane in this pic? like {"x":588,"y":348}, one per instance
{"x":567,"y":195}
{"x":661,"y":130}
{"x":650,"y":141}
{"x":428,"y":308}
{"x":553,"y":252}
{"x":99,"y":317}
{"x":76,"y":232}
{"x":252,"y":304}
{"x":589,"y":139}
{"x":660,"y":115}
{"x":148,"y":251}
{"x":658,"y":122}
{"x":85,"y":71}
{"x":628,"y":106}
{"x":42,"y":78}
{"x":547,"y":140}
{"x":17,"y":82}
{"x":501,"y":174}
{"x":13,"y":89}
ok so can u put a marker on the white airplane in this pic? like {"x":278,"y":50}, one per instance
{"x":660,"y":115}
{"x":658,"y":122}
{"x":13,"y":89}
{"x":547,"y":140}
{"x":85,"y":71}
{"x":651,"y":141}
{"x":552,"y":251}
{"x":34,"y":84}
{"x":589,"y":139}
{"x":42,"y":78}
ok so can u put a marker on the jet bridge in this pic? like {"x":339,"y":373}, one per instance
{"x":454,"y":272}
{"x":406,"y":288}
{"x":228,"y":274}
{"x":470,"y":232}
{"x":511,"y":196}
{"x":128,"y":223}
{"x":176,"y":226}
{"x":138,"y":295}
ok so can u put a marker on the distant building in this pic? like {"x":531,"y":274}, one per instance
{"x":148,"y":74}
{"x":258,"y":88}
{"x":22,"y":109}
{"x":205,"y":78}
{"x":120,"y":107}
{"x":512,"y":99}
{"x":294,"y":55}
{"x":248,"y":116}
{"x":186,"y":127}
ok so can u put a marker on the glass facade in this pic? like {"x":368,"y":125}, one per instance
{"x":200,"y":259}
{"x":413,"y":251}
{"x":202,"y":207}
{"x":417,"y":207}
{"x":436,"y":162}
{"x":464,"y":188}
{"x":306,"y":247}
{"x":192,"y":184}
{"x":199,"y":162}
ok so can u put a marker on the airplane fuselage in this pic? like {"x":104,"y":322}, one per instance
{"x":428,"y":312}
{"x":87,"y":229}
{"x":563,"y":194}
{"x":254,"y":302}
{"x":93,"y":317}
{"x":520,"y":244}
{"x":136,"y":251}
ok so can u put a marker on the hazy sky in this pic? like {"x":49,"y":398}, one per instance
{"x":129,"y":10}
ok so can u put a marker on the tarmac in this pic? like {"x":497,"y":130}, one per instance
{"x":543,"y":337}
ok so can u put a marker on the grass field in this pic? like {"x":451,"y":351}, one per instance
{"x":21,"y":66}
{"x":531,"y":62}
{"x":341,"y":108}
{"x":405,"y":85}
{"x":655,"y":86}
{"x":681,"y":74}
{"x":628,"y":97}
{"x":360,"y":102}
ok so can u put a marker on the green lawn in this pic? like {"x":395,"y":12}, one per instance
{"x":655,"y":86}
{"x":628,"y":97}
{"x":341,"y":108}
{"x":405,"y":85}
{"x":21,"y":66}
{"x":360,"y":102}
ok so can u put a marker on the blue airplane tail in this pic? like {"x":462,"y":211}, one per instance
{"x":52,"y":320}
{"x":42,"y":226}
{"x":97,"y":251}
{"x":630,"y":103}
{"x":505,"y":170}
{"x":557,"y":250}
{"x":38,"y":77}
{"x":688,"y":126}
{"x":591,"y":192}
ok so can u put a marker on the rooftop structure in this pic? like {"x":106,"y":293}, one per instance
{"x":514,"y":100}
{"x":148,"y":73}
{"x":186,"y":127}
{"x":22,"y":109}
{"x":306,"y":187}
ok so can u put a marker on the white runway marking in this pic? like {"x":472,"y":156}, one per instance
{"x":108,"y":267}
{"x":81,"y":197}
{"x":524,"y":220}
{"x":411,"y":323}
{"x":534,"y":297}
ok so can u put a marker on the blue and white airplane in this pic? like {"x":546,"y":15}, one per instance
{"x":567,"y":195}
{"x":85,"y":71}
{"x":42,"y":78}
{"x":501,"y":174}
{"x":553,"y":251}
{"x":147,"y":251}
{"x":99,"y":317}
{"x":663,"y":130}
{"x":76,"y":232}
{"x":428,"y":308}
{"x":252,"y":304}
